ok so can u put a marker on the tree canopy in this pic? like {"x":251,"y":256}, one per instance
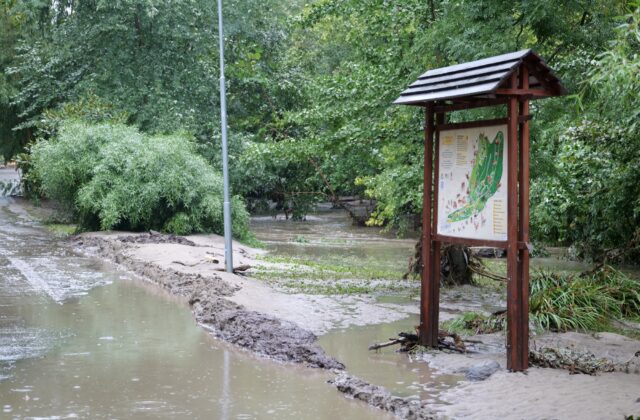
{"x":311,"y":86}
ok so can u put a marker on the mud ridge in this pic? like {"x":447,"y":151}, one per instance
{"x":379,"y":397}
{"x":263,"y":334}
{"x":153,"y":237}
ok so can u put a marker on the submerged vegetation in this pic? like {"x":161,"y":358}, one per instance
{"x":294,"y":274}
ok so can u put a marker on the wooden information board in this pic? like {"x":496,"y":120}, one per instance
{"x":472,"y":183}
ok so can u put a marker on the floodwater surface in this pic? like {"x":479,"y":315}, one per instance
{"x":79,"y":339}
{"x":329,"y":236}
{"x":401,"y":373}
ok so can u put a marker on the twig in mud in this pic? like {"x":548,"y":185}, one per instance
{"x":185,"y":264}
{"x":238,"y":269}
{"x":446,"y":341}
{"x":392,"y":342}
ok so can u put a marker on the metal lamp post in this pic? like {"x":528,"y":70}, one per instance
{"x":228,"y":251}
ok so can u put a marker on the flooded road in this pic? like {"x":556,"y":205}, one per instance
{"x":79,"y":339}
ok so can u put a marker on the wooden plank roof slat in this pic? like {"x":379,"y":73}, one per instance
{"x":495,"y":77}
{"x":448,"y":94}
{"x":463,"y":75}
{"x":514,"y":56}
{"x":479,"y":79}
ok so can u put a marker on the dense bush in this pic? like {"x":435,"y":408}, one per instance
{"x":590,"y":195}
{"x":562,"y":302}
{"x":592,"y":202}
{"x":113,"y":177}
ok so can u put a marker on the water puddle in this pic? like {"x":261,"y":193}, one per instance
{"x":400,"y":373}
{"x":328,"y":236}
{"x":81,"y":340}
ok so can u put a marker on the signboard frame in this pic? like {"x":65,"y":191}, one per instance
{"x":450,"y":177}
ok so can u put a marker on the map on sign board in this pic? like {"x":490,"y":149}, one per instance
{"x":472,"y":185}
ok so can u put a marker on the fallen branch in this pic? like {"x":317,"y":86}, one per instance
{"x":185,"y":264}
{"x":408,"y":342}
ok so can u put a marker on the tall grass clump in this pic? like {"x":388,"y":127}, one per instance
{"x":111,"y":176}
{"x":562,"y":301}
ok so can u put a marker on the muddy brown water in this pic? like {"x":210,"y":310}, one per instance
{"x":79,"y":339}
{"x":328,"y":235}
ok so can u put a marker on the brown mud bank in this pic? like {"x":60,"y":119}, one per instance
{"x":208,"y":296}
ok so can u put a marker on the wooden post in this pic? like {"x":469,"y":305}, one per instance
{"x":523,"y":236}
{"x":437,"y":255}
{"x":514,"y":301}
{"x":429,"y":299}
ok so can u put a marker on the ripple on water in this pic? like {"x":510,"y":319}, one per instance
{"x":21,"y":342}
{"x":59,"y":278}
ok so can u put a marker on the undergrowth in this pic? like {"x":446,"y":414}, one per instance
{"x":472,"y":323}
{"x":561,"y":301}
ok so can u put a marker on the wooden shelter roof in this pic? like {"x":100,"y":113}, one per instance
{"x":482,"y":81}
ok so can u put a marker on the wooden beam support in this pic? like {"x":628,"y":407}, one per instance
{"x":476,"y":104}
{"x":469,"y":241}
{"x":429,"y":294}
{"x":523,"y":228}
{"x":435,"y":262}
{"x":514,"y":309}
{"x":470,"y":124}
{"x":537,"y":93}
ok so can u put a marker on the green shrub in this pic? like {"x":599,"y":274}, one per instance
{"x":114,"y":177}
{"x":562,"y":301}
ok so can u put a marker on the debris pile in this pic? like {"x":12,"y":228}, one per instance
{"x":447,"y":341}
{"x":572,"y":360}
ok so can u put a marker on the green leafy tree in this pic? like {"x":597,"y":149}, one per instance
{"x":591,"y":198}
{"x":111,"y":176}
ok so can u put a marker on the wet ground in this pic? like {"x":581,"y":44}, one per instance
{"x":400,"y":373}
{"x":79,"y":339}
{"x":329,"y":236}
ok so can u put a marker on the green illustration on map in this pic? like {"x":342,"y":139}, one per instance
{"x":485,"y":177}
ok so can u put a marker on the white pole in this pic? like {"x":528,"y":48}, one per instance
{"x":228,"y":251}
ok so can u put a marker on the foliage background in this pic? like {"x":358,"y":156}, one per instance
{"x":311,"y":86}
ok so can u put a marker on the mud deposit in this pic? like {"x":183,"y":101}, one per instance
{"x":263,"y":334}
{"x":379,"y":397}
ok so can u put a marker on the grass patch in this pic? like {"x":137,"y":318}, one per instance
{"x":296,"y":274}
{"x":62,"y":229}
{"x":472,"y":323}
{"x":252,"y":241}
{"x":562,"y":301}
